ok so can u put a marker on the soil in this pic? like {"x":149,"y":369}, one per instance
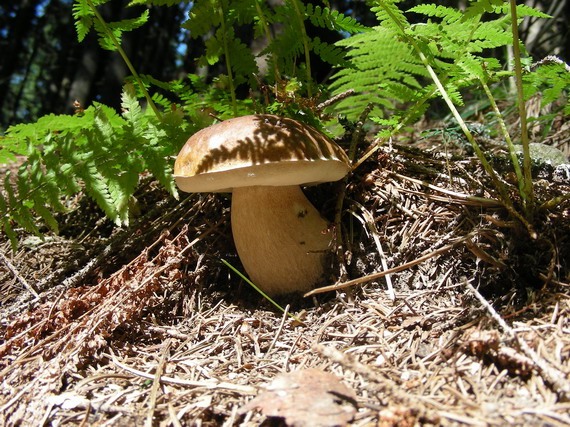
{"x":145,"y":325}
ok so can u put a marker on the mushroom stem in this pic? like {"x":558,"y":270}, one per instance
{"x":280,"y":237}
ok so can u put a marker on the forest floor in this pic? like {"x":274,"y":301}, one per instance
{"x":146,"y":326}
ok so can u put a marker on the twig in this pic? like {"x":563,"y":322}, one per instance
{"x":369,"y":222}
{"x":550,"y":59}
{"x":173,"y":417}
{"x":550,"y":374}
{"x":156,"y":385}
{"x":335,"y":99}
{"x":389,"y":271}
{"x":279,"y":330}
{"x":479,"y":201}
{"x":19,"y":277}
{"x":209,"y":384}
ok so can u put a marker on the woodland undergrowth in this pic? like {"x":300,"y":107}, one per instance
{"x":395,"y":70}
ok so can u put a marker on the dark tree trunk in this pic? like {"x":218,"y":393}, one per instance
{"x":16,"y":20}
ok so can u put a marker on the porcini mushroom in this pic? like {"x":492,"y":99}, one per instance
{"x":280,"y":237}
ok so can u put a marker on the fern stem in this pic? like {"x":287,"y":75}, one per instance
{"x":499,"y":186}
{"x":305,"y":45}
{"x":126,"y":59}
{"x":227,"y":56}
{"x":552,"y":203}
{"x":480,"y":155}
{"x":527,"y":192}
{"x":450,"y":105}
{"x":507,"y":137}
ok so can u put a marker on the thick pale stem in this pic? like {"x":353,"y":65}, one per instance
{"x":281,"y":238}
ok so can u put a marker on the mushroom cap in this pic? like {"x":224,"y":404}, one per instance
{"x":258,"y":150}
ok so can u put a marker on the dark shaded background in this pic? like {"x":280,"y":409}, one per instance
{"x":43,"y":68}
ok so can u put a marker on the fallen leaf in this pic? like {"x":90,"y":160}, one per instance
{"x":308,"y":397}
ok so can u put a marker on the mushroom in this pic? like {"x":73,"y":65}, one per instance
{"x":280,"y":237}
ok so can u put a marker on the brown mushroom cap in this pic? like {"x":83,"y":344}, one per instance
{"x":258,"y":150}
{"x":279,"y":235}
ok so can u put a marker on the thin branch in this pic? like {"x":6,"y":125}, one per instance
{"x":389,"y":271}
{"x":30,"y":287}
{"x":156,"y":385}
{"x":207,"y":384}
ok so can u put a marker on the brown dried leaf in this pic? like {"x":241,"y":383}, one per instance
{"x":308,"y":397}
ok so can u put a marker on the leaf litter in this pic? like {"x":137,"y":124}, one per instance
{"x":160,"y":332}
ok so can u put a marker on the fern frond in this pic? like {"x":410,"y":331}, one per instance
{"x":333,"y":20}
{"x":60,"y":170}
{"x":154,"y":158}
{"x":156,"y":2}
{"x":5,"y":223}
{"x":20,"y":211}
{"x":285,"y":48}
{"x":522,"y":10}
{"x":241,"y":11}
{"x":202,"y":18}
{"x":390,"y":15}
{"x":42,"y":179}
{"x":83,"y":15}
{"x":480,"y":7}
{"x":384,"y":69}
{"x":447,"y":14}
{"x":472,"y":66}
{"x":242,"y":59}
{"x":327,"y":52}
{"x":132,"y":111}
{"x":98,"y":152}
{"x":161,"y":100}
{"x":117,"y":29}
{"x":97,"y":188}
{"x":552,"y":79}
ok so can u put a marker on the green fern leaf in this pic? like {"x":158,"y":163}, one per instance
{"x":46,"y":215}
{"x":117,"y":29}
{"x":242,"y":60}
{"x":5,"y":223}
{"x":333,"y":20}
{"x":448,"y":14}
{"x":132,"y":111}
{"x":384,"y":69}
{"x":97,"y":188}
{"x":12,"y":236}
{"x":479,"y":7}
{"x":83,"y":15}
{"x":203,"y":17}
{"x":327,"y":52}
{"x":214,"y":49}
{"x":155,"y":161}
{"x":42,"y":182}
{"x":161,"y":100}
{"x":472,"y":66}
{"x":390,"y":16}
{"x":121,"y":186}
{"x":156,"y":2}
{"x":60,"y":167}
{"x":522,"y":10}
{"x":20,"y":206}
